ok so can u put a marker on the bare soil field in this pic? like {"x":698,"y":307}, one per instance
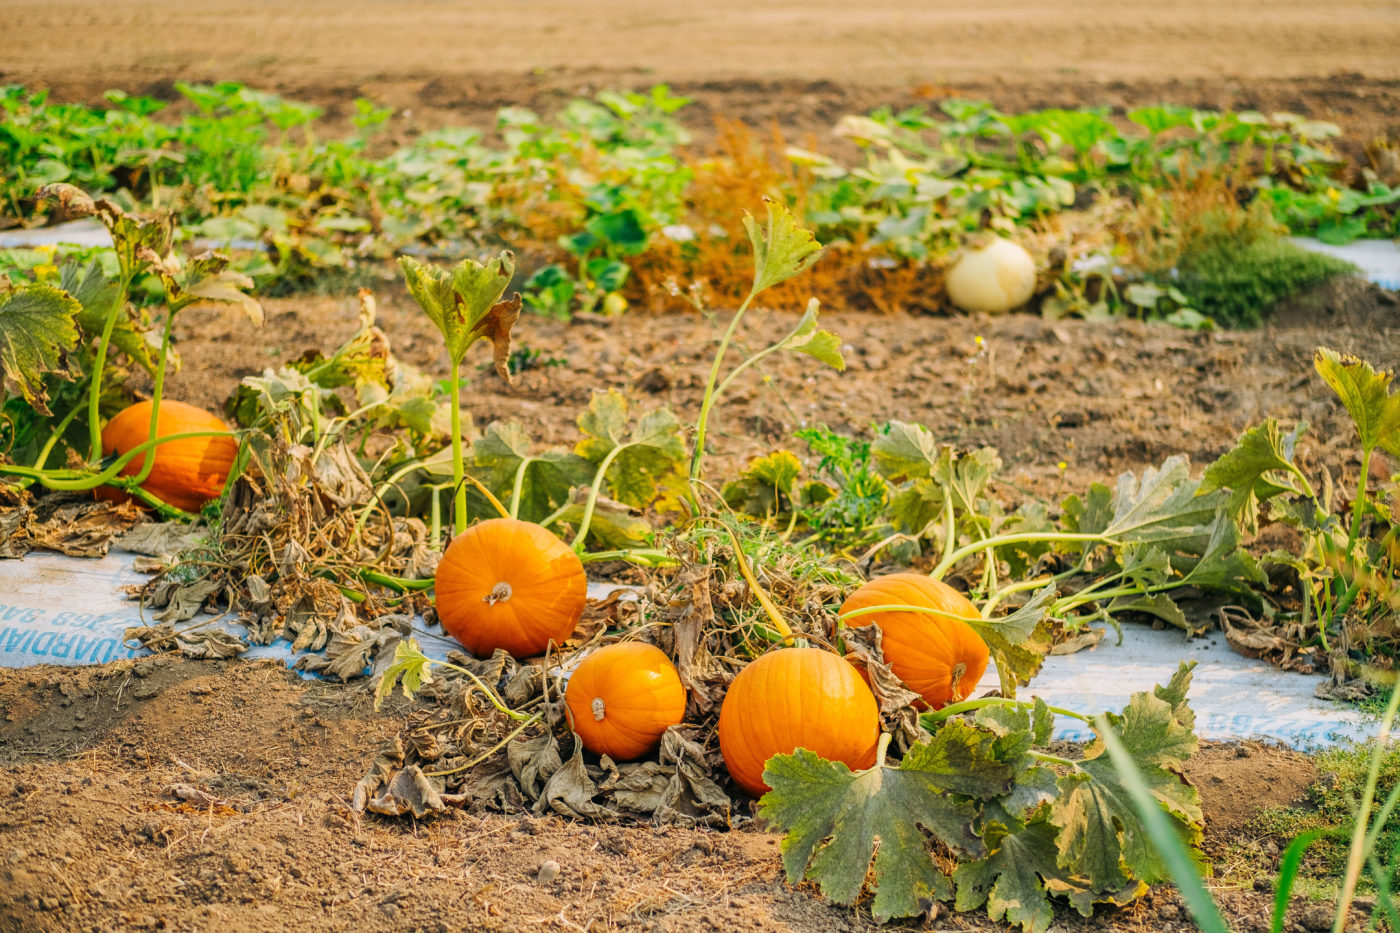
{"x":92,"y":834}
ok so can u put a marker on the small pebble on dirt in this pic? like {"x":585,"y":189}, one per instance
{"x":548,"y":872}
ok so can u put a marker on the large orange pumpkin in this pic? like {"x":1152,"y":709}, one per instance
{"x":187,"y":473}
{"x":940,"y":659}
{"x":796,"y":698}
{"x":509,"y":584}
{"x":623,"y":697}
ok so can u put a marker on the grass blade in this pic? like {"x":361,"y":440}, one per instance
{"x":1288,"y":873}
{"x":1183,"y":871}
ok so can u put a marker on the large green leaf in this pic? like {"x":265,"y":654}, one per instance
{"x":1243,"y":470}
{"x":646,"y":456}
{"x":781,"y":248}
{"x":766,"y":484}
{"x":97,"y":294}
{"x":1367,"y":396}
{"x":1163,"y":509}
{"x":1102,"y":837}
{"x":465,"y":302}
{"x":1019,"y":641}
{"x":834,"y":817}
{"x":36,"y":328}
{"x":548,"y":478}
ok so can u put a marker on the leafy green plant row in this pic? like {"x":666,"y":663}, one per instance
{"x":608,"y":183}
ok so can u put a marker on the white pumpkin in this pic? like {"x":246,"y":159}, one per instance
{"x":993,"y":278}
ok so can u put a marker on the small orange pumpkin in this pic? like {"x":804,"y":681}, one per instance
{"x":623,"y":697}
{"x":509,"y":584}
{"x":940,"y":659}
{"x":796,"y":698}
{"x":187,"y":473}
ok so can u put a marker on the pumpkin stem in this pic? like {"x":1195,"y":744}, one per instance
{"x":959,"y":670}
{"x":599,"y":713}
{"x":499,"y":594}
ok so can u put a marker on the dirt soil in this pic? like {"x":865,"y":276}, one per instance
{"x":92,"y":835}
{"x":1102,"y":398}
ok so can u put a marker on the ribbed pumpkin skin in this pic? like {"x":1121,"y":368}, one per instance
{"x":924,"y":651}
{"x":634,"y":687}
{"x":544,"y":588}
{"x":187,"y":473}
{"x":796,"y":698}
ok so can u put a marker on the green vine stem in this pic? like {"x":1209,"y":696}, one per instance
{"x":1358,"y":504}
{"x":894,"y":607}
{"x":517,"y":489}
{"x":646,"y":557}
{"x":707,"y":402}
{"x":398,"y":584}
{"x":951,"y":558}
{"x":99,"y":363}
{"x":157,"y":388}
{"x":79,"y":480}
{"x":1054,"y":760}
{"x":459,"y":491}
{"x":42,"y":460}
{"x":591,"y":503}
{"x":928,"y":720}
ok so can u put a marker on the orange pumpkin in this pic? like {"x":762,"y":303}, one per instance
{"x":796,"y":698}
{"x":187,"y":473}
{"x":940,"y":659}
{"x":622,"y":698}
{"x":509,"y":584}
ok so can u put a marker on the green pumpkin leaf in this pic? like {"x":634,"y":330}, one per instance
{"x":765,"y":487}
{"x":613,"y":526}
{"x":411,"y":665}
{"x":1018,"y":641}
{"x":807,"y":338}
{"x":1243,"y":470}
{"x":1162,"y":509}
{"x":1154,"y":604}
{"x":97,"y":293}
{"x":1225,"y":566}
{"x":906,"y":451}
{"x":833,"y":818}
{"x":549,"y":477}
{"x":646,"y":457}
{"x":1008,"y":880}
{"x":465,"y":303}
{"x":1101,"y":836}
{"x":36,"y":328}
{"x":781,"y":248}
{"x":1366,"y":393}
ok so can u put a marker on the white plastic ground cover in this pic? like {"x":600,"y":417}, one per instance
{"x":60,"y":610}
{"x":1378,"y":260}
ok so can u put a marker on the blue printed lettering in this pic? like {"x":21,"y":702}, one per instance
{"x":62,"y":645}
{"x":46,"y":638}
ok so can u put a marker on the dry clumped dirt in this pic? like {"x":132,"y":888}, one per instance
{"x":94,"y":834}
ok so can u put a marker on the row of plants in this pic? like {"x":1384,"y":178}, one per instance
{"x":614,"y":205}
{"x":322,"y":518}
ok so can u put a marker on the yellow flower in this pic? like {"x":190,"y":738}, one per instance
{"x":45,"y":272}
{"x":48,"y":249}
{"x":1334,"y":195}
{"x":1062,"y":465}
{"x":978,"y":340}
